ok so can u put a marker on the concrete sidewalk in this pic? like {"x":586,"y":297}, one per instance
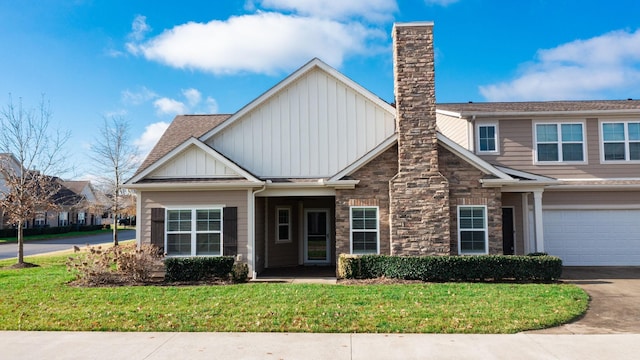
{"x":155,"y":346}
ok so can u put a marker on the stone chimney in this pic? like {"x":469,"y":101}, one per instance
{"x":419,"y":194}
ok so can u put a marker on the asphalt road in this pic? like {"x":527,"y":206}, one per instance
{"x":46,"y":246}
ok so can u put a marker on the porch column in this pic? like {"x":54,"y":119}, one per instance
{"x":537,"y":209}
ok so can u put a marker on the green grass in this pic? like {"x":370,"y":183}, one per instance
{"x":40,"y":299}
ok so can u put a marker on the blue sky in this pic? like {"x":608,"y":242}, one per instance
{"x":150,"y":60}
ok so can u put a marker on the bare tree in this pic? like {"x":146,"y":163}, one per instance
{"x":116,"y":158}
{"x":32,"y":152}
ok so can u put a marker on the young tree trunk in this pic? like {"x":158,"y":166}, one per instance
{"x":115,"y":230}
{"x":20,"y":243}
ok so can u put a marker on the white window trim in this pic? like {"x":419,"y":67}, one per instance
{"x":497,"y":137}
{"x":485,"y":229}
{"x":193,"y":232}
{"x":626,"y":141}
{"x":377,"y":229}
{"x":560,"y":142}
{"x":63,"y":218}
{"x":278,"y":224}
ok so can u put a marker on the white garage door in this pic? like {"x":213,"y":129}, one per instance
{"x":593,"y":237}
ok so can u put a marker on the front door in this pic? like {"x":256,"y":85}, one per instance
{"x":507,"y":231}
{"x":316,"y":236}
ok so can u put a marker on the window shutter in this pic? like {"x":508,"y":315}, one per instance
{"x":157,"y":227}
{"x":230,"y":231}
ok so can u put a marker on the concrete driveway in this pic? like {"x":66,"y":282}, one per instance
{"x":614,"y":306}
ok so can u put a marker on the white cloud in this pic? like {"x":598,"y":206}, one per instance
{"x":193,"y":96}
{"x":139,"y":28}
{"x":372,"y":10}
{"x":170,"y":106}
{"x":607,"y":64}
{"x":265,"y":42}
{"x":212,"y":105}
{"x":150,"y":137}
{"x":137,"y":97}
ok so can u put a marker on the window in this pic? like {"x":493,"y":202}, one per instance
{"x":487,"y":138}
{"x":472,"y":230}
{"x":81,"y":218}
{"x":621,"y":141}
{"x":63,"y":219}
{"x":193,"y":232}
{"x":559,"y":142}
{"x":283,"y":225}
{"x":40,"y":218}
{"x":364,"y":230}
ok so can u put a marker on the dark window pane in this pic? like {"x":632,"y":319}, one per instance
{"x":179,"y":244}
{"x":472,"y":241}
{"x":283,"y":232}
{"x":614,"y":151}
{"x":547,"y":152}
{"x":634,"y":151}
{"x":572,"y":152}
{"x":208,"y":244}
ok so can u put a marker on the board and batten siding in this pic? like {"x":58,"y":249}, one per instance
{"x":314,"y":127}
{"x":190,"y":199}
{"x":517,"y":144}
{"x":193,"y":162}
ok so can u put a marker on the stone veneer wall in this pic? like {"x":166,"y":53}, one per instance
{"x":419,"y":194}
{"x":373,"y":190}
{"x":465,"y":189}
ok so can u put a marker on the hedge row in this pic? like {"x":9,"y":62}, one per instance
{"x":9,"y":233}
{"x":452,"y":268}
{"x":197,"y":268}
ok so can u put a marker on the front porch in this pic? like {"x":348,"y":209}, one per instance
{"x":295,"y":236}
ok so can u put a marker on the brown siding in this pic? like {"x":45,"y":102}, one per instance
{"x":591,"y":198}
{"x":516,"y":151}
{"x":373,"y":190}
{"x":157,"y":199}
{"x":465,"y":189}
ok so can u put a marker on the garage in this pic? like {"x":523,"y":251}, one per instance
{"x":593,"y":237}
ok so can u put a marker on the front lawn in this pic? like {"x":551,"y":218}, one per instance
{"x":40,"y":299}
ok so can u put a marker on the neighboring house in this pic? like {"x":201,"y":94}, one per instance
{"x":318,"y":166}
{"x":585,"y":201}
{"x":76,"y":202}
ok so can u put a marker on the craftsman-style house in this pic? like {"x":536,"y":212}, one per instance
{"x":318,"y":166}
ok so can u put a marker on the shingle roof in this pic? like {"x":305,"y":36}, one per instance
{"x":181,"y":129}
{"x":472,"y":108}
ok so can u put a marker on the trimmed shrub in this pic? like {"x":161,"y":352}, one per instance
{"x":198,"y":268}
{"x":541,"y":268}
{"x":240,"y":272}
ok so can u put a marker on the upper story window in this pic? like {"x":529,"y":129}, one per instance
{"x":621,"y":141}
{"x":559,"y":142}
{"x":487,"y":138}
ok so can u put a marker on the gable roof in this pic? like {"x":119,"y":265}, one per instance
{"x":538,"y":107}
{"x":180,"y":130}
{"x":314,"y":63}
{"x":192,"y":141}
